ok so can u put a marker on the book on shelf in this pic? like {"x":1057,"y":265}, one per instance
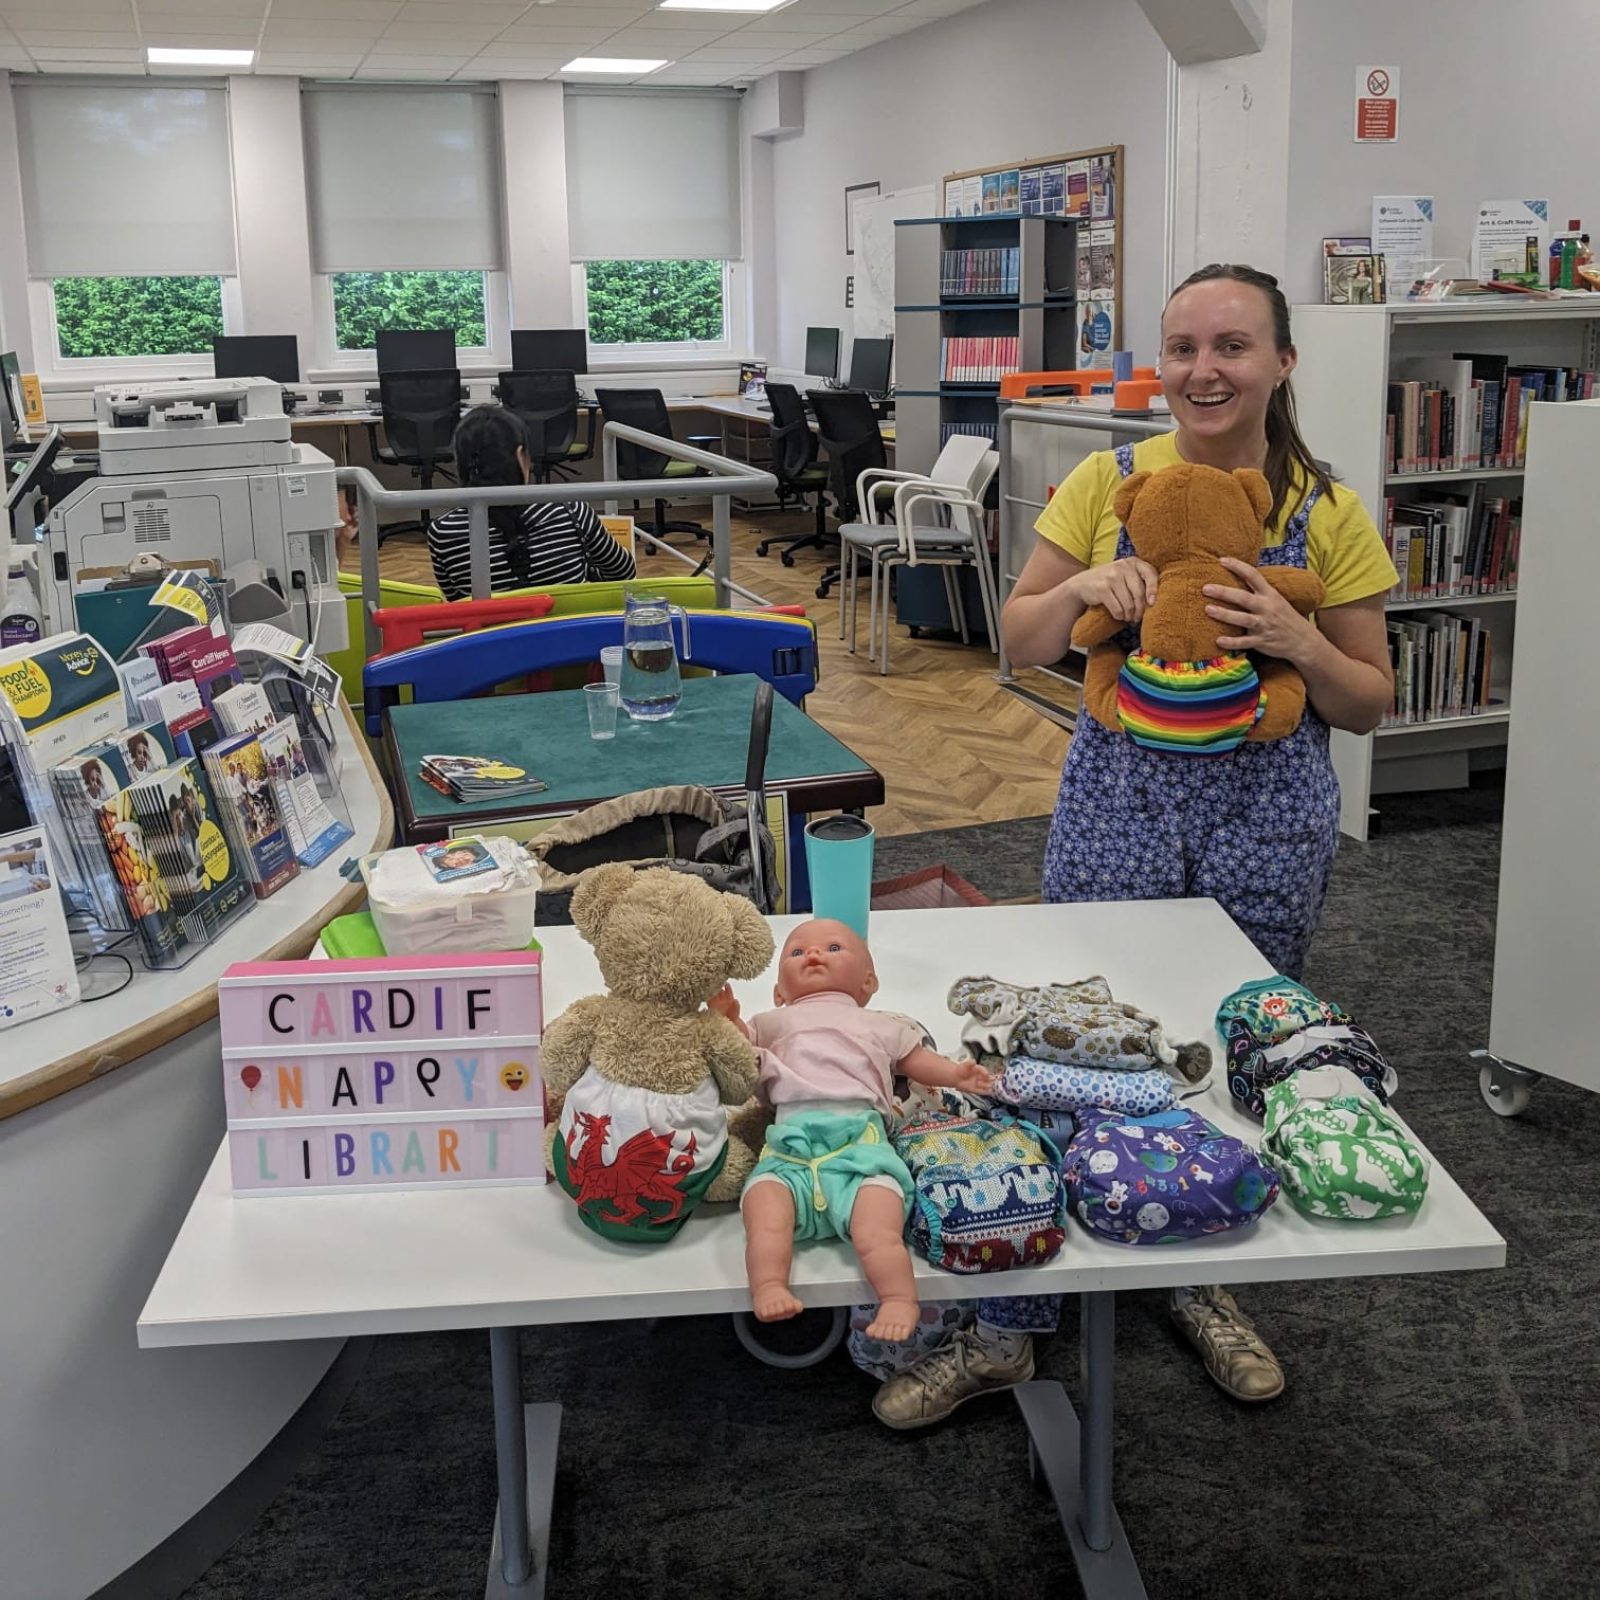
{"x":993,"y":271}
{"x":1449,"y":544}
{"x":971,"y":430}
{"x":1442,"y":668}
{"x":981,"y":359}
{"x":1469,"y":412}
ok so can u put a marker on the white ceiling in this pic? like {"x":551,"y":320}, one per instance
{"x":445,"y":39}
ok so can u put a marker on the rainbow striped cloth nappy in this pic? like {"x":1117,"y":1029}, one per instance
{"x":1202,"y":708}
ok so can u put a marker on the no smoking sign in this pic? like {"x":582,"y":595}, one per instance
{"x":1377,"y":105}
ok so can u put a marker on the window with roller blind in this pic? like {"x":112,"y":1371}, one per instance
{"x":128,"y":215}
{"x":403,"y":185}
{"x":653,"y":217}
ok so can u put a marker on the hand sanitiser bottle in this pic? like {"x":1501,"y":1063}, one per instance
{"x":20,"y":620}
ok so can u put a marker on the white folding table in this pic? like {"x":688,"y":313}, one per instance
{"x":305,"y":1267}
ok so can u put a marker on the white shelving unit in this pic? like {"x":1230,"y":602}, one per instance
{"x":1348,"y":355}
{"x":1548,"y":926}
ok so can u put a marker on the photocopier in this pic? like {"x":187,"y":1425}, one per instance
{"x":204,"y":470}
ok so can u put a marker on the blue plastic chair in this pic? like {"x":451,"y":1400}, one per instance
{"x":783,"y":650}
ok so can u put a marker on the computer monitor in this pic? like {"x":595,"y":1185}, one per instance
{"x":822,"y":353}
{"x":257,"y":355}
{"x":549,"y":350}
{"x":416,"y":349}
{"x":870,"y":360}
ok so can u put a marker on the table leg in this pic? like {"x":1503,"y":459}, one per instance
{"x":525,"y":1441}
{"x":1075,"y":1460}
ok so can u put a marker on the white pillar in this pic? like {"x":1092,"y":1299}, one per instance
{"x":16,"y":330}
{"x":533,"y":140}
{"x":1231,"y":184}
{"x":271,"y":218}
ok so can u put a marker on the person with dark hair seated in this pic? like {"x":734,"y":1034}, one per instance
{"x":554,"y":541}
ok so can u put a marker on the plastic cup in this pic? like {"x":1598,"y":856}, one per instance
{"x":611,"y":660}
{"x":601,"y":699}
{"x":839,"y":860}
{"x":1122,"y":366}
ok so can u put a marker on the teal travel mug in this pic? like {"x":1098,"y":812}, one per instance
{"x":839,"y":860}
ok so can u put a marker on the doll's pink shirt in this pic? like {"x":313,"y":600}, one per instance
{"x":826,"y":1047}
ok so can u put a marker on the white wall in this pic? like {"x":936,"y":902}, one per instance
{"x":1003,"y":81}
{"x":1496,"y":102}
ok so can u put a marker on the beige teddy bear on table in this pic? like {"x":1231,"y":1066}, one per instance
{"x":640,"y":1079}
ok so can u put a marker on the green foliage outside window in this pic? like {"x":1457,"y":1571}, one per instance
{"x":104,"y":317}
{"x":655,"y":302}
{"x":365,"y":302}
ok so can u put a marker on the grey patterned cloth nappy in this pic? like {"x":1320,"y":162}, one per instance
{"x":1076,"y":1023}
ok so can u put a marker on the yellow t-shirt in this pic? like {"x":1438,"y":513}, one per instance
{"x":1343,"y":548}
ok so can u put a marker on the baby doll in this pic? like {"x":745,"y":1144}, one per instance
{"x":827,"y":1168}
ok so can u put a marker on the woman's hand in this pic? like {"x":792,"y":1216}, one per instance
{"x":1261,"y":619}
{"x":1126,"y":588}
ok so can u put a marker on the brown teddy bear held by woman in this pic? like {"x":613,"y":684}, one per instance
{"x":1177,"y":692}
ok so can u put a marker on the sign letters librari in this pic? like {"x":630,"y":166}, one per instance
{"x":383,"y":1074}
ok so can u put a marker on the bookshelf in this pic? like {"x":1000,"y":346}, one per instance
{"x":1548,"y":923}
{"x":1349,"y":355}
{"x":976,"y":296}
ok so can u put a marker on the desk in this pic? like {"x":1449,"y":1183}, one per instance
{"x":342,"y":1265}
{"x":548,"y":734}
{"x":108,"y":1112}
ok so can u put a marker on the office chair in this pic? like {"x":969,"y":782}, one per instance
{"x":794,"y":464}
{"x":547,"y":402}
{"x":420,"y":413}
{"x":646,"y":410}
{"x":847,"y":428}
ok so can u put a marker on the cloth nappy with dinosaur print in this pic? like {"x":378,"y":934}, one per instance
{"x":1076,"y":1024}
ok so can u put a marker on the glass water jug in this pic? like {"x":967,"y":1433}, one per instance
{"x":651,"y":688}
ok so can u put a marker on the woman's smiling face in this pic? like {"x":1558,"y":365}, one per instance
{"x":1220,"y":362}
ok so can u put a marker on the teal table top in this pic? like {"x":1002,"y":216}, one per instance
{"x":548,"y":735}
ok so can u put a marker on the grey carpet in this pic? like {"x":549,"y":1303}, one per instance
{"x":1436,"y":1440}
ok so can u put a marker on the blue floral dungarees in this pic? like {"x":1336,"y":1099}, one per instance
{"x":1257,"y":830}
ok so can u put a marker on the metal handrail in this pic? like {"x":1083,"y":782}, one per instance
{"x":1121,"y":429}
{"x":725,"y":478}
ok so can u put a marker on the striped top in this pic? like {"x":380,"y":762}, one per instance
{"x":565,"y":544}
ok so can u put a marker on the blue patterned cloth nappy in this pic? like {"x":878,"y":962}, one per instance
{"x":1059,"y":1087}
{"x":1163,"y":1179}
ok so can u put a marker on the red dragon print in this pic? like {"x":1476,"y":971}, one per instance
{"x":640,"y":1176}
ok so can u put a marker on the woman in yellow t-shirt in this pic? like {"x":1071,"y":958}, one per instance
{"x":1256,"y":828}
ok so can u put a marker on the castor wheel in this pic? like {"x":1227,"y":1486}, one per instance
{"x":1505,"y":1099}
{"x":763,"y":547}
{"x":822,"y":591}
{"x":786,"y":557}
{"x":1506,"y":1089}
{"x":802,"y":1341}
{"x":918,"y":633}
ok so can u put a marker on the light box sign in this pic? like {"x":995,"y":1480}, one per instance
{"x":383,"y":1074}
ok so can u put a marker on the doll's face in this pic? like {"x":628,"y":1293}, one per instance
{"x":822,"y":956}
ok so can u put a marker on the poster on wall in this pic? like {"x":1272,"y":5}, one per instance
{"x":854,"y":193}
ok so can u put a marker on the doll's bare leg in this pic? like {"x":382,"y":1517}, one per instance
{"x":877,"y":1230}
{"x":768,"y":1249}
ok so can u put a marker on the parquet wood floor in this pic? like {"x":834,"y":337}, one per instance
{"x":954,"y":747}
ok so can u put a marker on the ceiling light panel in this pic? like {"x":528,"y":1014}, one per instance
{"x":612,"y":66}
